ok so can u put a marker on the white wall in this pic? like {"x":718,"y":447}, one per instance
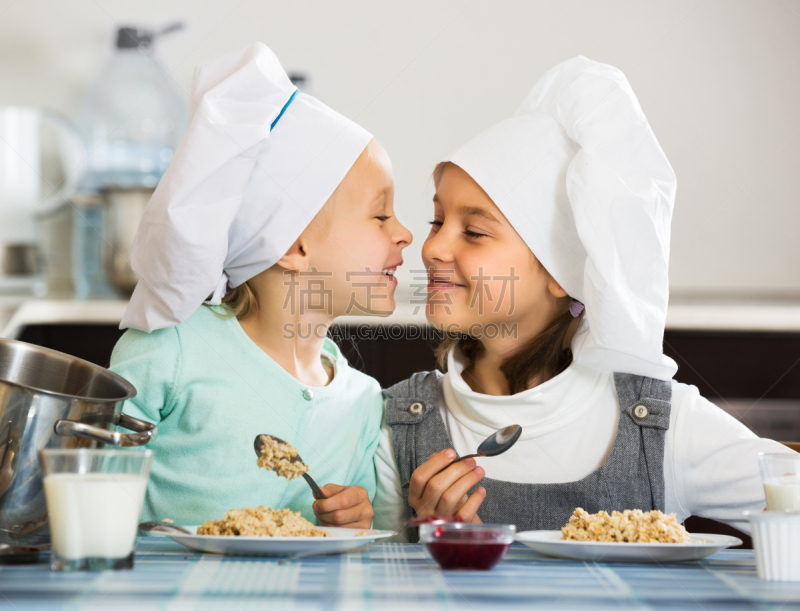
{"x":718,"y":79}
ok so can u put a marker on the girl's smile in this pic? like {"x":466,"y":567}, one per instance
{"x":441,"y":280}
{"x":390,"y":271}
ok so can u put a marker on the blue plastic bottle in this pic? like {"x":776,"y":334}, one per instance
{"x":132,"y":119}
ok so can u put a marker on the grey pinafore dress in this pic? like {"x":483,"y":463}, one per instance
{"x":631,"y":478}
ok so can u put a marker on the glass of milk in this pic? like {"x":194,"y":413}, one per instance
{"x":94,"y":500}
{"x":781,"y":476}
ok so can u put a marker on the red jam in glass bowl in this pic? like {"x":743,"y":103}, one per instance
{"x":455,"y":545}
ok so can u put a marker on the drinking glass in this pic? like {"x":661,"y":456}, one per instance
{"x":94,"y":500}
{"x":780,"y":474}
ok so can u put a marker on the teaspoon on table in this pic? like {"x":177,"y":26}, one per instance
{"x":496,"y":443}
{"x":315,"y":490}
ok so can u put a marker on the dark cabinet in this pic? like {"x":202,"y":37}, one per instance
{"x":722,"y":364}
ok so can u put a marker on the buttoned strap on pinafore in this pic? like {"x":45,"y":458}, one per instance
{"x":632,"y":476}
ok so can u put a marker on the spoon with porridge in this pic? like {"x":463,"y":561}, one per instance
{"x":275,"y":454}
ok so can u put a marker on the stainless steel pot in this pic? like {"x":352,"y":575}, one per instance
{"x":52,"y":400}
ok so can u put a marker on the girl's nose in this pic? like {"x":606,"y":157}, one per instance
{"x":402,"y":236}
{"x":437,"y":248}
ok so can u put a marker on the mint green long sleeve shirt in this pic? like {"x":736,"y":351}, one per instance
{"x":211,"y":390}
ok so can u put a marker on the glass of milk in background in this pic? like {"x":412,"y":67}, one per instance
{"x":781,"y":476}
{"x":94,"y":500}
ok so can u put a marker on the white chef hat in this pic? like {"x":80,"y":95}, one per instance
{"x":258,"y":161}
{"x":580,"y":175}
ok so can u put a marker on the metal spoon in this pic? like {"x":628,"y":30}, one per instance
{"x":496,"y":443}
{"x":315,"y":490}
{"x":162,"y":527}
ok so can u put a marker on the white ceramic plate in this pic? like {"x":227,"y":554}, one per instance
{"x":549,"y":542}
{"x":341,"y":539}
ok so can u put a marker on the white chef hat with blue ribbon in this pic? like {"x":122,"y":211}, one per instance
{"x":580,"y":175}
{"x":258,"y":161}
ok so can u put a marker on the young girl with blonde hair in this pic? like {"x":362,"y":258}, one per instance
{"x":277,"y":212}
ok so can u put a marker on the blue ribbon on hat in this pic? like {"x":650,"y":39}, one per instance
{"x":283,"y":110}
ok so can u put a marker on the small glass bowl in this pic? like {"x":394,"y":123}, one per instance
{"x":456,"y":545}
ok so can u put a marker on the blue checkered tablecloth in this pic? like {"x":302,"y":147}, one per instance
{"x":393,"y":576}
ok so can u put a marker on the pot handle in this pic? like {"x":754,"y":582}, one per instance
{"x":145,"y":432}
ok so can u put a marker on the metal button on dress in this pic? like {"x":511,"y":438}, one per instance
{"x":416,"y":409}
{"x":308,"y":394}
{"x":641,"y":411}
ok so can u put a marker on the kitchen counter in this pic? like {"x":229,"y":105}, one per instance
{"x":16,"y":314}
{"x":8,"y":306}
{"x":684,"y":314}
{"x":13,"y":319}
{"x":734,"y":315}
{"x":727,"y":348}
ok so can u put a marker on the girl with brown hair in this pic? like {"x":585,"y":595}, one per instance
{"x":567,"y":203}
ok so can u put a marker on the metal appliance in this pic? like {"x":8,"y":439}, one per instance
{"x":52,"y":400}
{"x":124,"y":210}
{"x":41,"y":153}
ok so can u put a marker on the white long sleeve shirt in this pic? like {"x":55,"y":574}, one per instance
{"x":569,"y":425}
